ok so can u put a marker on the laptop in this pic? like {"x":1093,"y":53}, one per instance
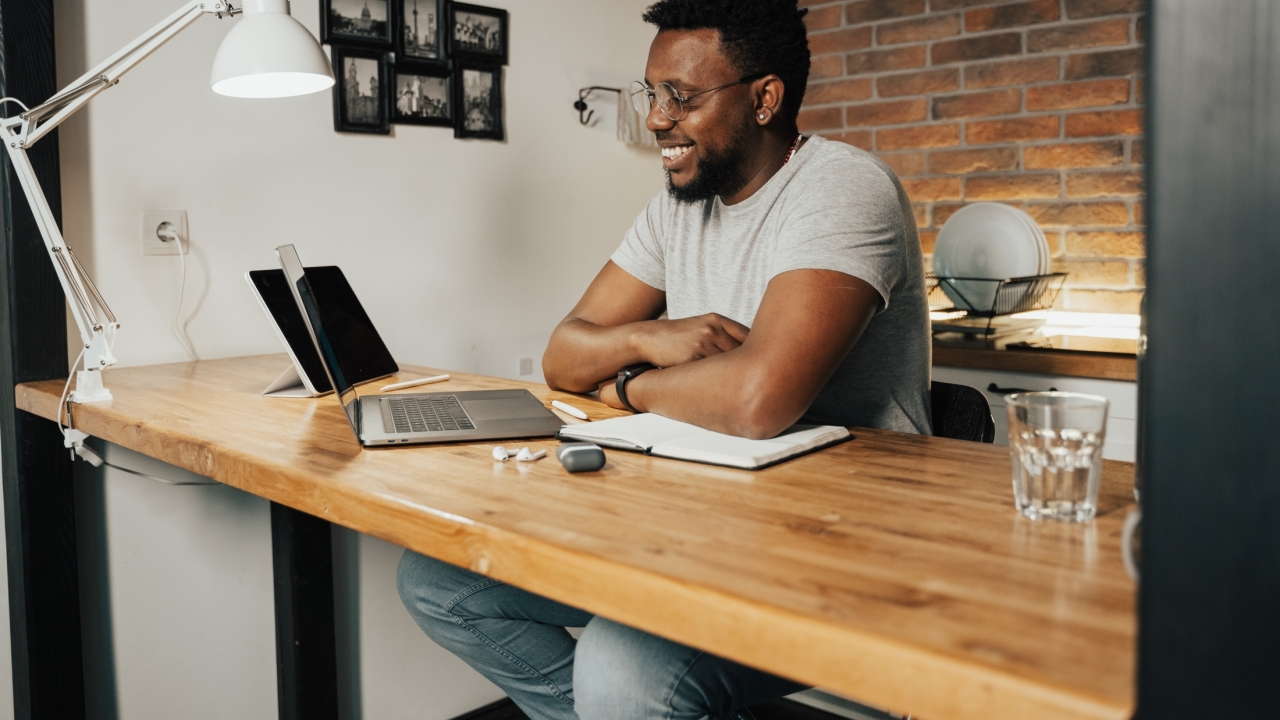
{"x":412,"y":418}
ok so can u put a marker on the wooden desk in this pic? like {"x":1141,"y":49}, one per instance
{"x":892,"y":568}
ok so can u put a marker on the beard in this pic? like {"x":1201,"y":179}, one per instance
{"x":720,"y":172}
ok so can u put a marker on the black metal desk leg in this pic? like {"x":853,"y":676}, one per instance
{"x":306,"y":648}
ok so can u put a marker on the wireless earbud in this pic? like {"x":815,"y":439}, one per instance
{"x":502,"y":454}
{"x":526,"y":456}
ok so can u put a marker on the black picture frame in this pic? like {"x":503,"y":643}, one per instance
{"x":477,"y":117}
{"x":417,"y":103}
{"x":420,"y":31}
{"x":363,"y":113}
{"x":340,"y":24}
{"x":485,"y":47}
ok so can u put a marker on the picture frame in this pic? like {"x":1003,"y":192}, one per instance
{"x":361,"y":94}
{"x":422,"y":94}
{"x":359,"y":23}
{"x":478,"y":104}
{"x":420,"y":31}
{"x":477,"y":33}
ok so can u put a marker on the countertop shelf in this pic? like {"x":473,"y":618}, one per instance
{"x":1040,"y":361}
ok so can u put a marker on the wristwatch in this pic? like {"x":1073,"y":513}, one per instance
{"x":627,"y":374}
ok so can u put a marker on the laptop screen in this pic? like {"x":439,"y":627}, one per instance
{"x":329,"y":357}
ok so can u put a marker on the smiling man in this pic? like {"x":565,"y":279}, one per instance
{"x":789,"y":267}
{"x":790,"y":272}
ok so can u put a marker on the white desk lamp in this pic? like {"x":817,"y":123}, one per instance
{"x":267,"y":54}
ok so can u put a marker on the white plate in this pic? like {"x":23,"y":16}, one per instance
{"x":1046,"y":257}
{"x":986,"y":240}
{"x":1042,"y":243}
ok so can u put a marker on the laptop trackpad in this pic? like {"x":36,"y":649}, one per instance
{"x":504,"y":409}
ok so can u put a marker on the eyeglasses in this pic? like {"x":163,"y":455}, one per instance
{"x":668,"y":99}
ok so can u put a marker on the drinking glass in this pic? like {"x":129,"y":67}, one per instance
{"x":1056,"y":441}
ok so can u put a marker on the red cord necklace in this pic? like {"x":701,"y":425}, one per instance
{"x":795,"y":145}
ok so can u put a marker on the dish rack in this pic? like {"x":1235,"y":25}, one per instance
{"x":1012,"y":296}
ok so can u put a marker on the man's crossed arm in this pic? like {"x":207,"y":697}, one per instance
{"x":714,"y":372}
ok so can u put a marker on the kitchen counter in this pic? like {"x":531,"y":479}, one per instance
{"x":1039,"y":360}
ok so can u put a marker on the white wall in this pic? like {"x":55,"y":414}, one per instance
{"x":465,"y":253}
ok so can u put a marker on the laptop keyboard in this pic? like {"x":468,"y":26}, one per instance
{"x":428,"y":414}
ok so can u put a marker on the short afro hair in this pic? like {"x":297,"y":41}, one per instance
{"x":758,"y":36}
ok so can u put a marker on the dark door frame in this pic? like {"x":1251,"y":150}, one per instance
{"x":1209,"y":605}
{"x":39,"y":512}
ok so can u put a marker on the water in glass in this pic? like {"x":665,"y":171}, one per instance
{"x":1056,"y":441}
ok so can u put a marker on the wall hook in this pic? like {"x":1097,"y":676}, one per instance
{"x":584,"y":113}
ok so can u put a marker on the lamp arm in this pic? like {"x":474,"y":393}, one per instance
{"x":95,"y":321}
{"x":93,"y":318}
{"x":66,"y":103}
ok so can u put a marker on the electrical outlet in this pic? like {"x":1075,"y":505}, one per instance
{"x":526,"y":366}
{"x":152,"y":243}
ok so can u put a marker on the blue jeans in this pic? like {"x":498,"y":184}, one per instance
{"x":518,"y":640}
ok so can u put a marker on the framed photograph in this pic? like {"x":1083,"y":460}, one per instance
{"x":356,"y":22}
{"x":477,"y":33}
{"x":478,"y":101}
{"x":360,"y":97}
{"x":422,"y":95}
{"x":421,"y":36}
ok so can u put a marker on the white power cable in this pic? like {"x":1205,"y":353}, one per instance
{"x":167,"y":233}
{"x":62,"y":401}
{"x":15,"y":100}
{"x":96,"y":460}
{"x":177,"y":313}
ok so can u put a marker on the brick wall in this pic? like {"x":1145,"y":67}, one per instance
{"x":1035,"y":103}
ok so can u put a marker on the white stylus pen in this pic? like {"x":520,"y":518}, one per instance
{"x":568,"y":409}
{"x":414,"y":383}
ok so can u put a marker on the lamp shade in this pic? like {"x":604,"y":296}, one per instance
{"x":269,"y":54}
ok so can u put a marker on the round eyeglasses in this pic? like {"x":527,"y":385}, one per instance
{"x":668,"y":99}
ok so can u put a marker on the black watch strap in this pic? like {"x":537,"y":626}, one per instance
{"x":625,"y":375}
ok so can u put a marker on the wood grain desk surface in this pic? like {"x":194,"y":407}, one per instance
{"x":892,"y":568}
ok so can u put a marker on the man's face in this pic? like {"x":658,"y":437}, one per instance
{"x":704,"y":153}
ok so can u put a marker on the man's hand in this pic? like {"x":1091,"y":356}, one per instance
{"x":807,"y":323}
{"x":615,"y":325}
{"x":667,"y":343}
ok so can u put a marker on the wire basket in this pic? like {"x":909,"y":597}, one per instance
{"x":987,"y":298}
{"x":980,"y":301}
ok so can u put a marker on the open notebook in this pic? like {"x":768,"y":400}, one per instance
{"x":656,"y":435}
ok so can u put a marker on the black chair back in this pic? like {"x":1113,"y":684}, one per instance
{"x":961,"y":413}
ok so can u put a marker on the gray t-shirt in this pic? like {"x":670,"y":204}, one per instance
{"x":832,"y":207}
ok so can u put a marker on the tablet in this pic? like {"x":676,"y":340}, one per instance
{"x":361,"y":347}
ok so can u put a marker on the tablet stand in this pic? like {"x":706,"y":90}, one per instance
{"x":289,"y":384}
